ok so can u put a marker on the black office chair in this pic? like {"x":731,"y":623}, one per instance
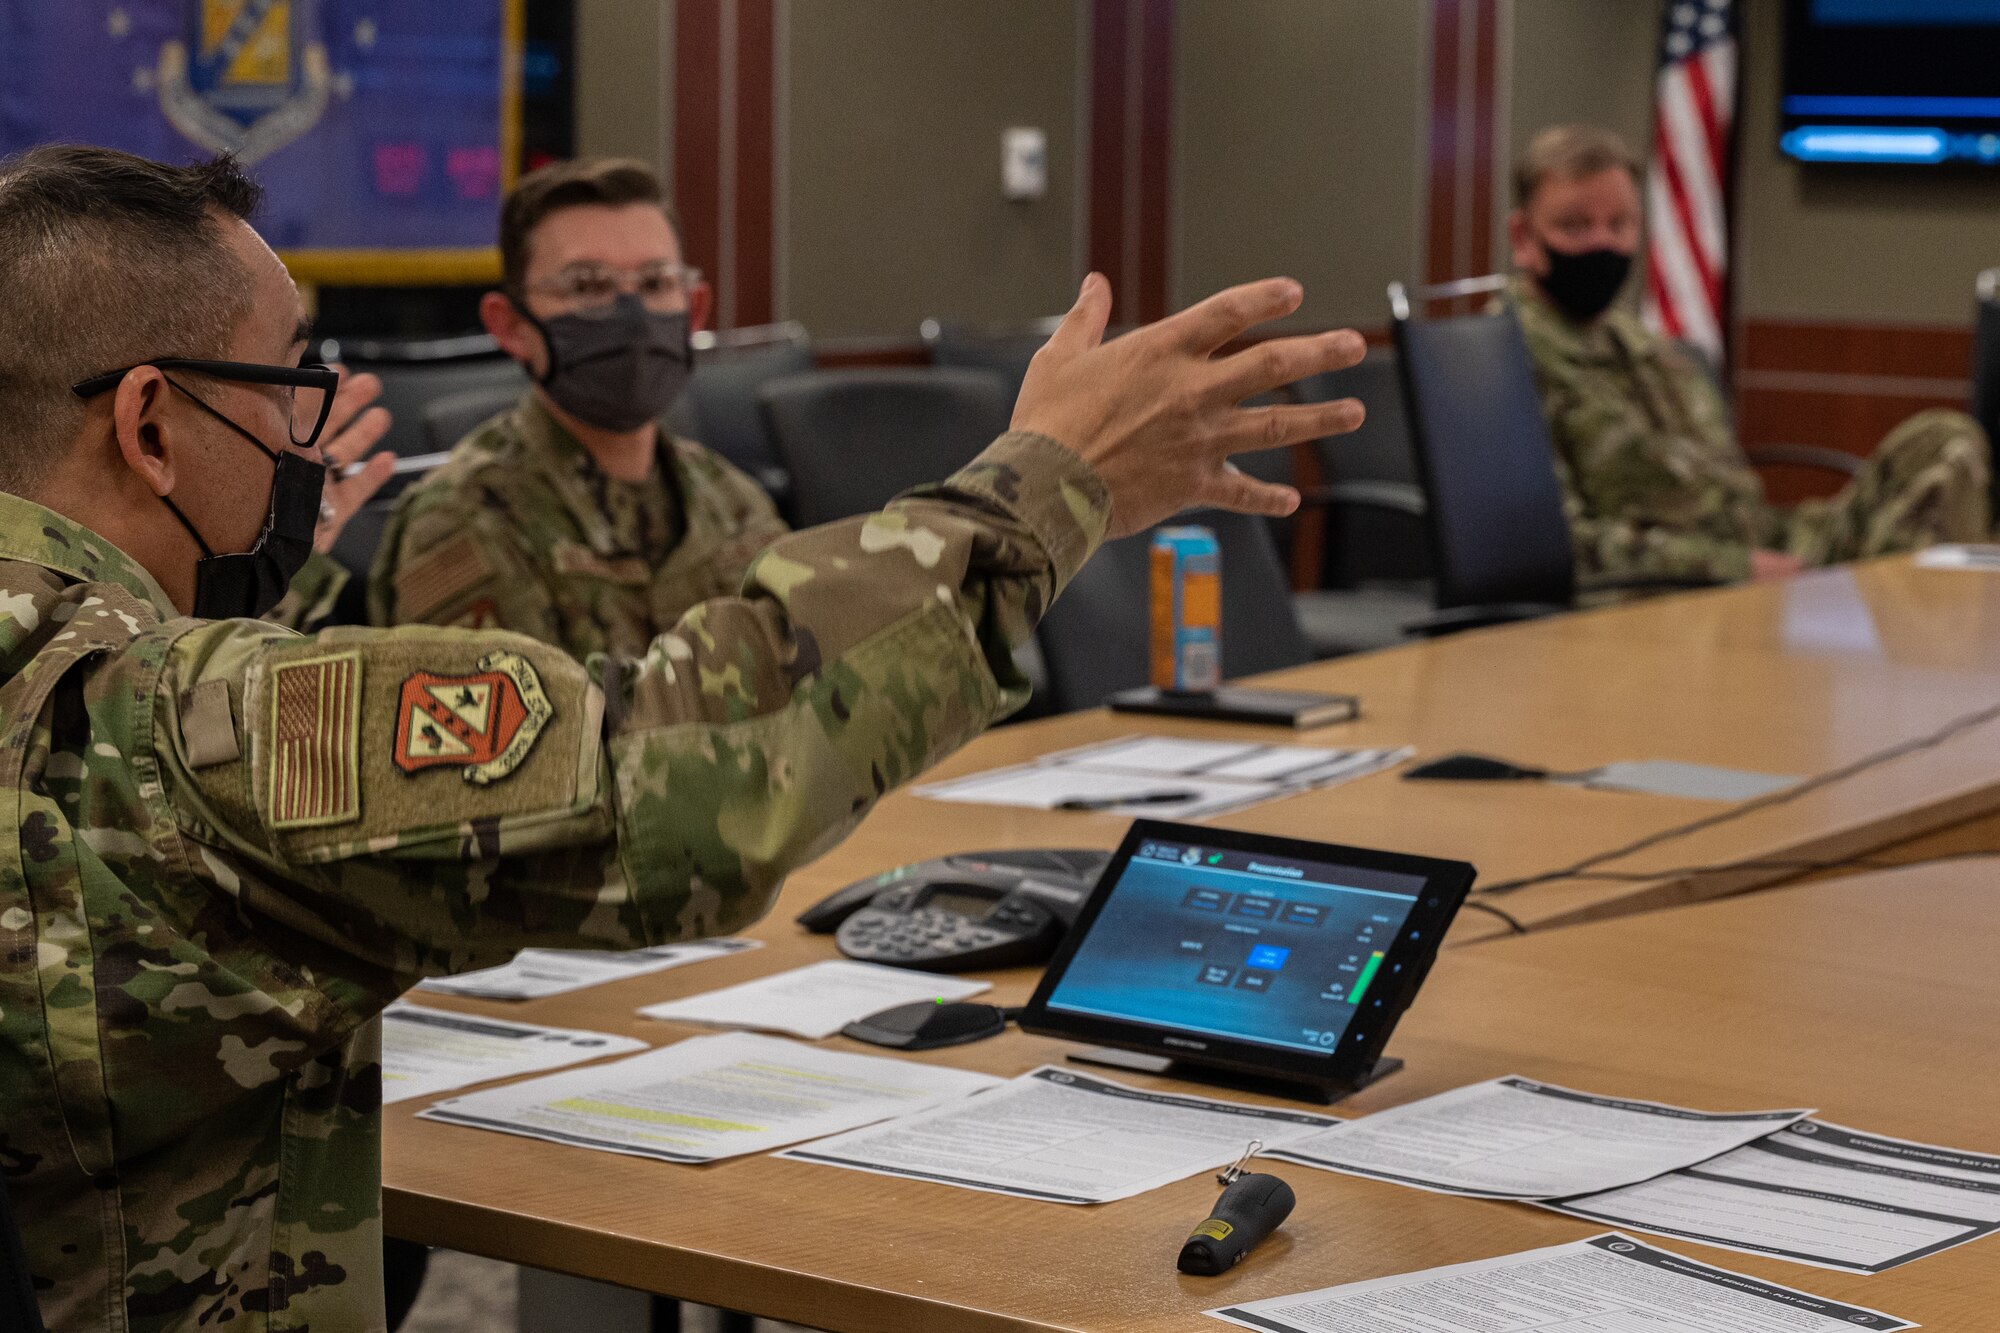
{"x":417,"y":373}
{"x":720,"y":408}
{"x":1500,"y":542}
{"x":1095,"y":637}
{"x":1374,"y":567}
{"x":1986,"y":364}
{"x":852,"y":440}
{"x":1004,"y":349}
{"x":18,"y":1307}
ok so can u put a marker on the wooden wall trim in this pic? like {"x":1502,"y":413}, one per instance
{"x":1844,"y":386}
{"x":1462,"y":142}
{"x":1131,"y":152}
{"x":725,"y":114}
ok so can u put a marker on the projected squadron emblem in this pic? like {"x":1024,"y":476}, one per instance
{"x":248,"y":76}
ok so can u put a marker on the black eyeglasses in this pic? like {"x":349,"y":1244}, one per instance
{"x":311,"y":383}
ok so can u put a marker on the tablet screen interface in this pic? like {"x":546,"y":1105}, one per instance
{"x":1245,"y":946}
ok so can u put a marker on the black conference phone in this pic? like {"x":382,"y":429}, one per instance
{"x":961,"y":913}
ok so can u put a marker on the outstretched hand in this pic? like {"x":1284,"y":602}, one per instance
{"x":1157,"y":413}
{"x":355,"y":425}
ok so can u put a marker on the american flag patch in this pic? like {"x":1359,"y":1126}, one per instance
{"x":315,"y":723}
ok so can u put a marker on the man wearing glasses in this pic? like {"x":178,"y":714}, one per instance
{"x":571,"y":516}
{"x":236,"y":844}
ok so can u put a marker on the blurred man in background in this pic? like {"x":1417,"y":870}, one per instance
{"x":1653,"y":478}
{"x":572,"y":516}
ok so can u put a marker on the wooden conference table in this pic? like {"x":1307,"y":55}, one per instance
{"x":1873,"y":998}
{"x":1794,"y":678}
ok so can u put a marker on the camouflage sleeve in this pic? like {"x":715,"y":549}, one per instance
{"x":308,"y":603}
{"x":445,"y":560}
{"x":418,"y":801}
{"x":1615,"y":471}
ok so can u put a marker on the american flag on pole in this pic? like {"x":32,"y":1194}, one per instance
{"x":1687,"y":193}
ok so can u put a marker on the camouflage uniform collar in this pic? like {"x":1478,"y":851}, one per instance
{"x":568,"y":468}
{"x":37,"y":535}
{"x":1614,"y":337}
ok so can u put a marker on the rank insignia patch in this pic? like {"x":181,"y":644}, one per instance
{"x":482,"y":724}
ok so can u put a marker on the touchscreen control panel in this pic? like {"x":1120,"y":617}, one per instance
{"x":1251,"y":947}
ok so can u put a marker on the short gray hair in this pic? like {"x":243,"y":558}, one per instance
{"x":106,"y":260}
{"x":1572,"y":153}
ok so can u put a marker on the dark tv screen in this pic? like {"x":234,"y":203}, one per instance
{"x":1911,"y":82}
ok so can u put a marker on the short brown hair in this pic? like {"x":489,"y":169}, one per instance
{"x":1570,"y":152}
{"x":106,"y":260}
{"x":607,"y":182}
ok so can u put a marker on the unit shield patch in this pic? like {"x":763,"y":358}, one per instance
{"x":483,"y":724}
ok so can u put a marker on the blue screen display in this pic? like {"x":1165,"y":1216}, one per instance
{"x":1237,"y":945}
{"x":1905,"y":13}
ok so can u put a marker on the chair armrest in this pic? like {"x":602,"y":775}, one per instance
{"x":1460,"y":618}
{"x":1397,"y":496}
{"x":1805,"y":455}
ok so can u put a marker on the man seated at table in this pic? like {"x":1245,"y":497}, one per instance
{"x":572,"y":516}
{"x":1653,"y":479}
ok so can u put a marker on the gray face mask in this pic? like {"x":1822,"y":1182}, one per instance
{"x":617,"y":371}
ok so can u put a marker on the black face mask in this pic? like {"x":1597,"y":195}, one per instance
{"x":253,"y":581}
{"x":617,"y":372}
{"x":1584,"y":285}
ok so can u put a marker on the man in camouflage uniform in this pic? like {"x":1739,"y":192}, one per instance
{"x":236,"y":844}
{"x":570,"y":517}
{"x":1653,"y":479}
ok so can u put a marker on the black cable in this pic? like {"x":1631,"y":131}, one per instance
{"x":1514,"y":926}
{"x":1864,"y":861}
{"x":1817,"y":783}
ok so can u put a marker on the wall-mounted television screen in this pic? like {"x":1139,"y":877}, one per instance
{"x":1895,"y":81}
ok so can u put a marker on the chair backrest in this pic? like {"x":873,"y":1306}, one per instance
{"x":1004,"y":349}
{"x":1986,"y":362}
{"x":453,"y":417}
{"x":852,"y":440}
{"x":416,"y":375}
{"x":720,"y":408}
{"x":1363,"y":543}
{"x":1484,"y":454}
{"x":1095,"y":637}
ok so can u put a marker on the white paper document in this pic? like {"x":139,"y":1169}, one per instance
{"x":1817,"y":1193}
{"x":1064,"y":1137}
{"x":535,"y":973}
{"x":427,"y":1051}
{"x":711,"y":1097}
{"x":1607,"y":1284}
{"x":1165,"y":777}
{"x":1514,"y":1138}
{"x":815,"y":1001}
{"x":1985,"y":558}
{"x":1693,"y":782}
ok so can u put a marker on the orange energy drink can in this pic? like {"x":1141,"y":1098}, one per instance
{"x":1187,"y":610}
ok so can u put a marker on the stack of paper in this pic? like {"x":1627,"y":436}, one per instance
{"x":1164,"y":777}
{"x":1514,"y":1138}
{"x":1064,"y":1137}
{"x":1604,"y":1283}
{"x":711,"y":1097}
{"x":815,"y":1001}
{"x":425,"y":1051}
{"x":536,"y":973}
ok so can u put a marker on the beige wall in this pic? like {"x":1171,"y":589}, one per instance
{"x":891,"y":207}
{"x":1579,"y":60}
{"x":1296,"y":149}
{"x":624,"y":80}
{"x":1852,"y":244}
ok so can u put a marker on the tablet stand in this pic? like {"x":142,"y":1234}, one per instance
{"x":1325,"y":1094}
